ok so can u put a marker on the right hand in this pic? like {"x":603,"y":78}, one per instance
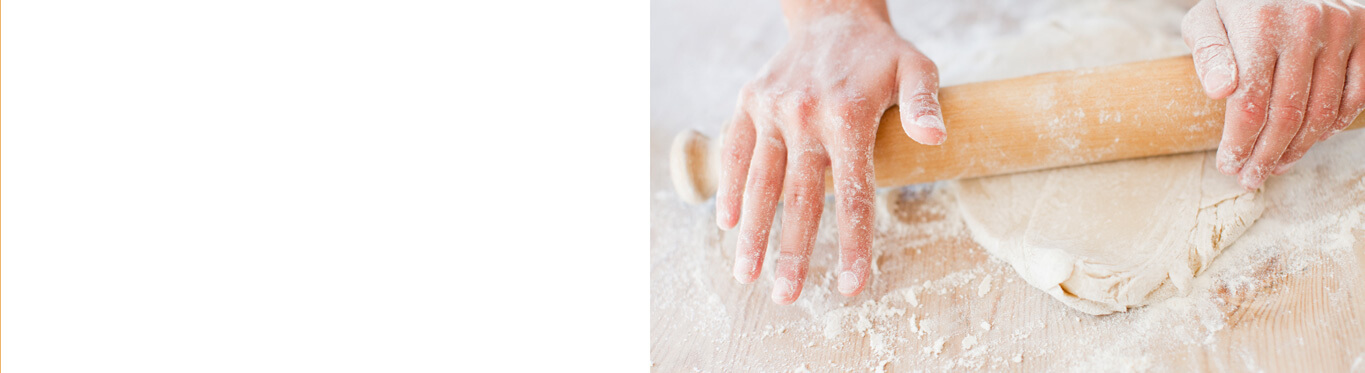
{"x":817,"y":104}
{"x":1293,"y":73}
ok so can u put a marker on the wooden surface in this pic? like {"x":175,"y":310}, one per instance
{"x":1028,"y":123}
{"x":1283,"y":298}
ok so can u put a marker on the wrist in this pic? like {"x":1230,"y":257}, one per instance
{"x":800,"y":14}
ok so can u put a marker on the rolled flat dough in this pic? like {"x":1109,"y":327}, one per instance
{"x":1108,"y":237}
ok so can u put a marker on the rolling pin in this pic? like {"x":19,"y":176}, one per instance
{"x":1028,"y":123}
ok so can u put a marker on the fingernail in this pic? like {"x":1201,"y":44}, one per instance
{"x":1333,"y":132}
{"x":929,"y":121}
{"x":942,"y":138}
{"x":744,"y":270}
{"x":783,"y":289}
{"x":848,"y":282}
{"x":933,"y":122}
{"x":1228,"y":164}
{"x":725,"y":220}
{"x":1285,"y":167}
{"x":1252,"y":178}
{"x":1217,"y":78}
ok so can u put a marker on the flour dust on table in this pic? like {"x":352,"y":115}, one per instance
{"x":1285,"y":296}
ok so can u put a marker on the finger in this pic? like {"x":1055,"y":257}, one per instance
{"x":761,"y":194}
{"x":1247,"y":106}
{"x":1353,"y":97}
{"x":804,"y":200}
{"x":738,"y":151}
{"x":1213,"y":59}
{"x":1324,"y":102}
{"x":1288,"y":105}
{"x":854,"y":191}
{"x":921,"y":116}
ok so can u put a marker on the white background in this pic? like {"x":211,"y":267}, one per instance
{"x":398,"y":186}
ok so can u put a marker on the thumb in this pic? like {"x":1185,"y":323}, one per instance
{"x":1213,"y":60}
{"x":921,"y":116}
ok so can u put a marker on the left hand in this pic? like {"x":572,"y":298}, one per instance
{"x":1293,"y":72}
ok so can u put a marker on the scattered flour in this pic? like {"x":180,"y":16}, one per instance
{"x":921,"y":295}
{"x":937,"y":348}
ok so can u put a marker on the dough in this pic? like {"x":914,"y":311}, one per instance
{"x":1108,"y":237}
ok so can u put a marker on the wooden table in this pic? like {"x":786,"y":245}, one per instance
{"x":1280,"y":299}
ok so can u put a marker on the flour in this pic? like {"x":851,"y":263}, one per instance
{"x":921,"y":296}
{"x":937,"y":347}
{"x":968,"y":342}
{"x":985,"y":287}
{"x":911,"y":295}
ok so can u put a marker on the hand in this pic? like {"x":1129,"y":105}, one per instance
{"x":1293,"y":73}
{"x":815,"y":105}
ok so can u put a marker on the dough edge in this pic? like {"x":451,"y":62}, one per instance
{"x":1224,"y":213}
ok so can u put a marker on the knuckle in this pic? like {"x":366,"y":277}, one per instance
{"x":808,"y":152}
{"x":1320,"y":124}
{"x":855,"y":185}
{"x":1210,"y":48}
{"x":736,"y":154}
{"x":773,"y":142}
{"x":752,"y":241}
{"x":761,"y":184}
{"x":1259,"y":43}
{"x":1305,"y":20}
{"x":851,"y":158}
{"x":1321,"y":117}
{"x":919,"y":60}
{"x":760,"y":102}
{"x":1349,"y":117}
{"x":748,"y":90}
{"x":1249,"y":111}
{"x":1306,"y":16}
{"x":1266,"y":16}
{"x":803,"y":98}
{"x":801,"y":197}
{"x":842,"y":107}
{"x":923,"y":97}
{"x":792,"y":257}
{"x":850,"y":106}
{"x":1295,"y":152}
{"x":928,"y":67}
{"x":1262,"y":161}
{"x":1337,"y":18}
{"x":1355,"y":92}
{"x":1193,"y":18}
{"x":1327,"y":105}
{"x":1286,"y":115}
{"x":855,"y":200}
{"x":800,"y":103}
{"x":1308,"y":12}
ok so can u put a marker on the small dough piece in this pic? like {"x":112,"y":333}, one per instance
{"x":1107,"y":237}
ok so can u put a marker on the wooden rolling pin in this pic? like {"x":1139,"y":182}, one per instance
{"x":1029,"y":123}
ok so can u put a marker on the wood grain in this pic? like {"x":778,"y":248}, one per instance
{"x":1292,"y":298}
{"x":1028,"y":123}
